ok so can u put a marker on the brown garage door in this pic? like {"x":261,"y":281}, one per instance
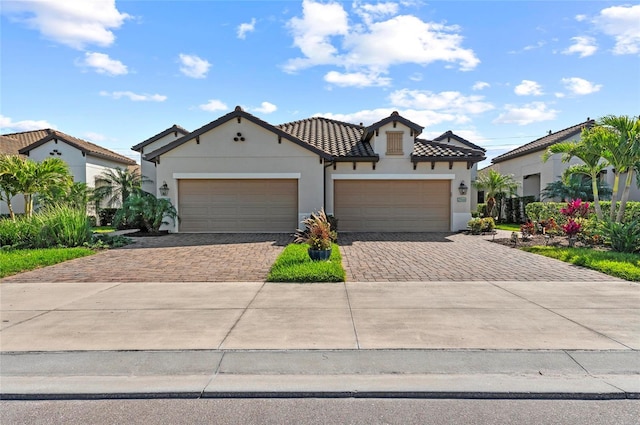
{"x":238,"y":205}
{"x":392,"y":205}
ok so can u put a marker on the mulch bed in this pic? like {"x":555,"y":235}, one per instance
{"x":539,"y":240}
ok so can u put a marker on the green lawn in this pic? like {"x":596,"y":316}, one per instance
{"x":22,"y":260}
{"x":103,"y":229}
{"x":618,"y":264}
{"x":294,"y":265}
{"x":512,"y":227}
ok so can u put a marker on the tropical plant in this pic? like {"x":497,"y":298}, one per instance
{"x":63,"y":225}
{"x":623,"y":237}
{"x":620,"y":142}
{"x":589,"y":150}
{"x":77,"y":195}
{"x":150,"y":211}
{"x":37,"y":177}
{"x":318,"y":233}
{"x":572,"y":186}
{"x":115,"y":185}
{"x":495,"y":185}
{"x":9,"y":166}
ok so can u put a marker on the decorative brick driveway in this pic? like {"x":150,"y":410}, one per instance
{"x":406,"y":257}
{"x":172,"y":258}
{"x":367,"y":257}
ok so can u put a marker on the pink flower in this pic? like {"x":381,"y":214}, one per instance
{"x":572,"y":227}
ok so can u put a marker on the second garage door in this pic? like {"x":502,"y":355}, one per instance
{"x":251,"y":205}
{"x":392,"y":205}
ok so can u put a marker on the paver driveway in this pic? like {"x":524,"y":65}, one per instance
{"x":172,"y":258}
{"x":367,"y":257}
{"x":406,"y":257}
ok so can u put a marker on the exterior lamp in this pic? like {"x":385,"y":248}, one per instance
{"x":462,"y":188}
{"x":164,"y":189}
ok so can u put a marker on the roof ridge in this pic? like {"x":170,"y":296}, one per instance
{"x":321,"y":118}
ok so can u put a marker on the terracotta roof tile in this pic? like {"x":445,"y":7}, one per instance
{"x":452,"y":135}
{"x":428,"y":150}
{"x":28,"y":140}
{"x":338,"y":139}
{"x":544,"y":142}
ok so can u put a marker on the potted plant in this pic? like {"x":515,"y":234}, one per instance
{"x":318,"y":234}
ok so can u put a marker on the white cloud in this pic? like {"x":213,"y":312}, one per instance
{"x":480,"y":85}
{"x":324,"y":37}
{"x":9,"y":126}
{"x":580,"y":86}
{"x":213,"y":105}
{"x":528,"y":88}
{"x":559,"y":95}
{"x":103,"y":64}
{"x":245,"y":28}
{"x":621,"y":22}
{"x":526,"y":114}
{"x":266,"y":108}
{"x":369,"y":116}
{"x":95,"y":137}
{"x":135,"y":97}
{"x":356,"y":79}
{"x":73,"y":23}
{"x":447,"y":101}
{"x":416,"y":76}
{"x":194,"y":66}
{"x":580,"y":18}
{"x":583,"y":45}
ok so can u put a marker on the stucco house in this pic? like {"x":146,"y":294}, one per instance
{"x":239,"y":173}
{"x":526,"y":166}
{"x":86,"y":160}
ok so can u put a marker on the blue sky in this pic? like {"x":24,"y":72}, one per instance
{"x":498,"y":73}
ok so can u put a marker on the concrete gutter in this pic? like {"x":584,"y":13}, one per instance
{"x":478,"y":374}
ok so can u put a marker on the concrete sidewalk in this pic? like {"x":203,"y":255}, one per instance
{"x":422,"y":339}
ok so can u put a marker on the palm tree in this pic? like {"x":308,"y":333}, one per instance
{"x":495,"y":185}
{"x":589,"y":150}
{"x":37,"y":177}
{"x":115,"y":185}
{"x":572,"y":185}
{"x":9,"y":166}
{"x":622,"y":152}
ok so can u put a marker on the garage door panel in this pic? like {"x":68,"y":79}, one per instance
{"x":393,"y":205}
{"x":238,"y":205}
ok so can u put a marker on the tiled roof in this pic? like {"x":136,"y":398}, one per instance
{"x":174,"y":128}
{"x":394,"y":117}
{"x":452,"y":135}
{"x":29,"y":140}
{"x":338,"y":139}
{"x":429,"y":150}
{"x":9,"y":146}
{"x":544,"y":142}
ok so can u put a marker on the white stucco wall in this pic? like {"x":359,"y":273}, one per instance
{"x":69,"y":154}
{"x":219,"y":156}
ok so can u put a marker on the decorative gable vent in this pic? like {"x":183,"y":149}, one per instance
{"x":394,"y":143}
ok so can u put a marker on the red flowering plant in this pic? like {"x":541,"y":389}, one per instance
{"x":571,"y":227}
{"x":576,"y":208}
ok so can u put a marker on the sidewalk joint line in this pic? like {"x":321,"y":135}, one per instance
{"x":577,"y":362}
{"x":213,"y":376}
{"x":241,"y":315}
{"x":353,"y":323}
{"x":562,"y":316}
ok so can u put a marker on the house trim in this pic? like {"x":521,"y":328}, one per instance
{"x":236,"y":176}
{"x":393,"y":177}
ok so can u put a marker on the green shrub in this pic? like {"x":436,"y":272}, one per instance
{"x":537,"y":211}
{"x":21,"y":233}
{"x":63,"y":226}
{"x":623,"y":237}
{"x":475,"y":225}
{"x":481,"y":209}
{"x":146,"y":211}
{"x":488,"y":224}
{"x":106,"y":216}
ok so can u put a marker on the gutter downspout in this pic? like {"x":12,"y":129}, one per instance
{"x":324,"y":186}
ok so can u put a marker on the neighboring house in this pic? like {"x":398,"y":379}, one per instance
{"x":147,"y":168}
{"x":526,"y":166}
{"x":86,"y":160}
{"x":241,"y":174}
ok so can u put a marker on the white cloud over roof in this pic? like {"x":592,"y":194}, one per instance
{"x":245,"y":28}
{"x":621,"y":22}
{"x":8,"y":125}
{"x":582,"y":45}
{"x":580,"y":86}
{"x":134,"y":97}
{"x":193,"y":66}
{"x":103,"y":64}
{"x":528,"y":88}
{"x":73,"y":23}
{"x":526,"y":114}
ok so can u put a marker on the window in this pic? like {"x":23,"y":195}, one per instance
{"x":394,"y":142}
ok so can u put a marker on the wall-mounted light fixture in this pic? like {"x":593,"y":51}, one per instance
{"x":164,"y":189}
{"x":462,"y":188}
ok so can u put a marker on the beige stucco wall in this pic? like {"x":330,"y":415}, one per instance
{"x":148,"y":169}
{"x":400,"y":167}
{"x":259,"y":156}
